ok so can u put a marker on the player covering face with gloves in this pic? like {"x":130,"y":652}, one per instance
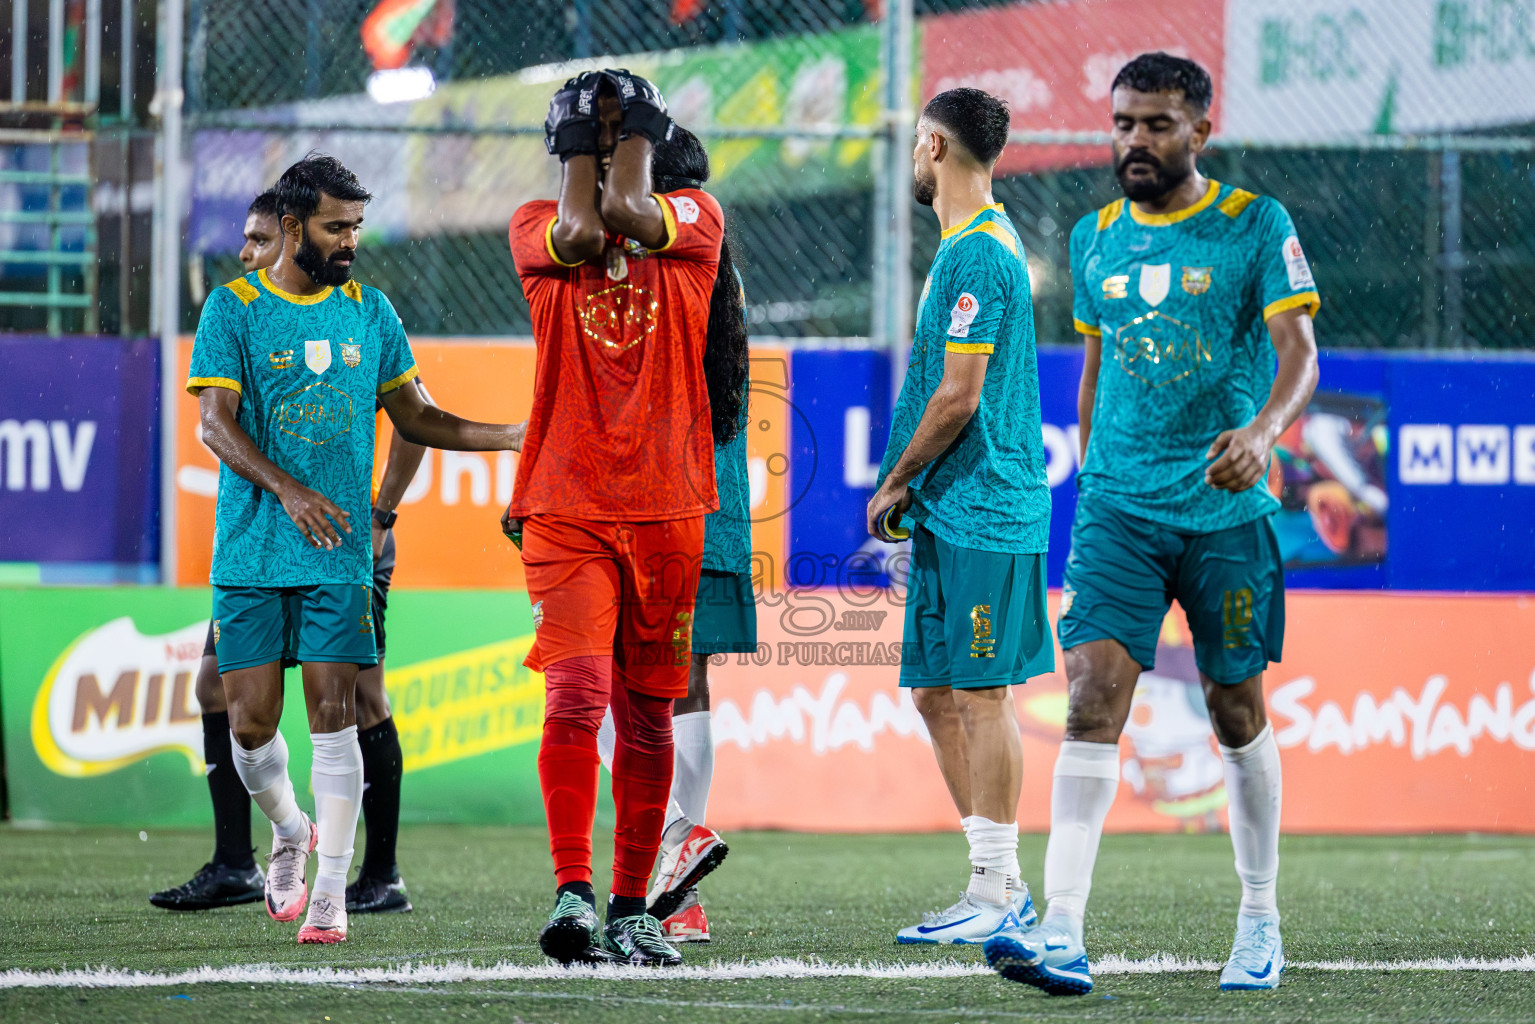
{"x":612,"y":488}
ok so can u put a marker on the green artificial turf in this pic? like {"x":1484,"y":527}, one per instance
{"x":76,"y":899}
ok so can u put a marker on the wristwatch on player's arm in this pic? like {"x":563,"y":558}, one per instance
{"x":385,"y":519}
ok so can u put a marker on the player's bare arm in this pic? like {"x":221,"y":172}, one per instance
{"x":951,"y":407}
{"x":404,"y":459}
{"x":420,"y":422}
{"x":628,"y":208}
{"x":307,"y":507}
{"x":1087,"y":391}
{"x":1242,"y":455}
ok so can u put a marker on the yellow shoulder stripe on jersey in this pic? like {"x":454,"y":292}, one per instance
{"x":195,"y":385}
{"x":670,"y":218}
{"x":1083,"y":327}
{"x":956,"y":229}
{"x":1311,"y":300}
{"x":549,"y":244}
{"x":1110,"y":213}
{"x":244,"y":289}
{"x":972,"y":348}
{"x":400,"y":381}
{"x":353,"y":291}
{"x":996,"y":231}
{"x":298,"y":300}
{"x":1233,"y":205}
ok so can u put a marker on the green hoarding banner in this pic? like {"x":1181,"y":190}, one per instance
{"x":101,"y":723}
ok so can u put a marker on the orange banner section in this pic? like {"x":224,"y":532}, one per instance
{"x":449,"y":533}
{"x":1393,"y":713}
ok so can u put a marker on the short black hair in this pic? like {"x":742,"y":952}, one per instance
{"x":1162,"y":72}
{"x":265,"y":205}
{"x":300,"y":187}
{"x":976,"y":120}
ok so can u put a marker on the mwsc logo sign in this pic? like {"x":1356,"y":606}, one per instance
{"x":1471,"y":453}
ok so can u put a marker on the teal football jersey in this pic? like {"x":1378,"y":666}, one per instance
{"x":1180,"y":303}
{"x":728,"y":529}
{"x":987,"y":490}
{"x":308,"y":370}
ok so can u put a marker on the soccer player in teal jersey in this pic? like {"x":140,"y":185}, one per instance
{"x":966,"y":463}
{"x":287,"y":365}
{"x":1186,"y":290}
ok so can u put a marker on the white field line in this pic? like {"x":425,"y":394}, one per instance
{"x":781,"y":968}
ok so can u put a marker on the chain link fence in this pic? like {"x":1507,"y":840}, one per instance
{"x":1398,"y":133}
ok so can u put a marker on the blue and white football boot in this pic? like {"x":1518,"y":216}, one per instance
{"x":1257,"y":955}
{"x":968,"y":922}
{"x":1048,"y":957}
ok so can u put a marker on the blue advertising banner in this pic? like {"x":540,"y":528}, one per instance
{"x":1405,"y":472}
{"x":1463,"y":474}
{"x":79,"y":454}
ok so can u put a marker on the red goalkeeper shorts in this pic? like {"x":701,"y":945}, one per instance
{"x":624,"y":589}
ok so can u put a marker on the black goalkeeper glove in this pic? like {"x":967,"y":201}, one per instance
{"x":644,"y":109}
{"x":571,"y":127}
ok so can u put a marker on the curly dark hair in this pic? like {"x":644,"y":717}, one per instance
{"x":682,"y":162}
{"x":1162,"y":72}
{"x":976,"y":120}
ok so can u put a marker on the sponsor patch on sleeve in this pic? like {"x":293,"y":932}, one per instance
{"x":686,"y":209}
{"x":961,"y":316}
{"x":1296,"y":266}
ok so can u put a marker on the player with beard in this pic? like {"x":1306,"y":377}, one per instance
{"x":232,"y":875}
{"x":1186,"y":290}
{"x":967,"y":463}
{"x":282,"y":359}
{"x":612,"y":488}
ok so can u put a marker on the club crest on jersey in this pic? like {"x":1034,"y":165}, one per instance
{"x":1196,"y":280}
{"x":963,"y":313}
{"x":317,"y":355}
{"x":351,"y":355}
{"x":1156,"y":278}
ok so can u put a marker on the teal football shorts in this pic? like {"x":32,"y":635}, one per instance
{"x":1123,"y":573}
{"x":323,"y":622}
{"x":974,"y":619}
{"x":724,"y":614}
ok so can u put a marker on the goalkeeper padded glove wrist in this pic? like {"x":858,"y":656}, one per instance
{"x":571,"y":127}
{"x":644,"y":109}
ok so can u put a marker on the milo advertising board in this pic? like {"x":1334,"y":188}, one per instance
{"x":101,"y":720}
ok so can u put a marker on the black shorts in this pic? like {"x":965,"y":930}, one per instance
{"x":383,"y":575}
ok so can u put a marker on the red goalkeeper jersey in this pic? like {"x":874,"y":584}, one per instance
{"x":620,"y":425}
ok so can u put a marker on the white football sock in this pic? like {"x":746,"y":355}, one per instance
{"x":264,"y":771}
{"x":337,"y":782}
{"x":1081,"y":793}
{"x":993,"y":858}
{"x":1254,"y":789}
{"x":607,"y":740}
{"x":693,"y":771}
{"x":675,"y":831}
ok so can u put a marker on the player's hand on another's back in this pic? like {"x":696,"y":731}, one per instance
{"x":1241,"y":458}
{"x":571,"y":127}
{"x":644,"y":108}
{"x":519,"y":432}
{"x":309,"y":510}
